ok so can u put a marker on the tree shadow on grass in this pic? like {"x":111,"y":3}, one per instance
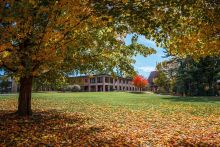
{"x":188,"y":143}
{"x":137,"y":92}
{"x":193,"y":99}
{"x":50,"y":128}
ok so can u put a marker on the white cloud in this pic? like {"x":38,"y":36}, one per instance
{"x":147,"y":68}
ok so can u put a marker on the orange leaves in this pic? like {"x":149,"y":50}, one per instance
{"x":42,"y":32}
{"x":4,"y":47}
{"x":197,"y":38}
{"x":139,"y":81}
{"x":110,"y":119}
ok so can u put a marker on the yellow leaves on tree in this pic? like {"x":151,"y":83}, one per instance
{"x":196,"y":44}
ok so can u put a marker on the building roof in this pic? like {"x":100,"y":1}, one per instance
{"x":96,"y":75}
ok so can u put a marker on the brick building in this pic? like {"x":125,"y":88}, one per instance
{"x":103,"y":83}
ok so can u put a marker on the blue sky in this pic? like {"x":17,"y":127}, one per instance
{"x":144,"y":65}
{"x":1,"y":72}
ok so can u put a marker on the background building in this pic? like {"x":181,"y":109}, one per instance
{"x":103,"y":83}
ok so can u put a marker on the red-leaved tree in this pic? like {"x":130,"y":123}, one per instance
{"x":140,"y":82}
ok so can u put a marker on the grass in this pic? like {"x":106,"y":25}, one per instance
{"x":121,"y":118}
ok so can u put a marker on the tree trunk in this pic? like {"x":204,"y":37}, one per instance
{"x":24,"y":100}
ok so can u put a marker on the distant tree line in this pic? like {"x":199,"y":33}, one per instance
{"x":5,"y":86}
{"x":188,"y":76}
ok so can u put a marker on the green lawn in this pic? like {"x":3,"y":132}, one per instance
{"x":112,"y":118}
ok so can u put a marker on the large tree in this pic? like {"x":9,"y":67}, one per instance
{"x":188,"y":76}
{"x":198,"y":77}
{"x":42,"y":36}
{"x":139,"y":82}
{"x":45,"y":36}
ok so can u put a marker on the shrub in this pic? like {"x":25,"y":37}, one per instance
{"x":73,"y":88}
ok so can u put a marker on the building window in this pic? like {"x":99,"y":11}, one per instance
{"x":111,"y":80}
{"x":86,"y":80}
{"x":106,"y":80}
{"x":111,"y":88}
{"x":92,"y":80}
{"x":99,"y":79}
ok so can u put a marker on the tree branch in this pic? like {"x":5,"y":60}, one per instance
{"x":80,"y":21}
{"x":7,"y":67}
{"x":45,"y":28}
{"x":7,"y":49}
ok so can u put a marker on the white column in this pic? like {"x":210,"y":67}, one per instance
{"x":96,"y":84}
{"x":103,"y":83}
{"x":113,"y":83}
{"x":89,"y":88}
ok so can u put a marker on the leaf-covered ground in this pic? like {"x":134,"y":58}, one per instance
{"x":114,"y":119}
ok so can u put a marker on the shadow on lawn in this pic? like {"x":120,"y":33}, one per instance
{"x":190,"y":143}
{"x":50,"y":128}
{"x":193,"y":99}
{"x":137,"y":92}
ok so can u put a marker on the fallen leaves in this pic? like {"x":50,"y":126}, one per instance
{"x":75,"y":122}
